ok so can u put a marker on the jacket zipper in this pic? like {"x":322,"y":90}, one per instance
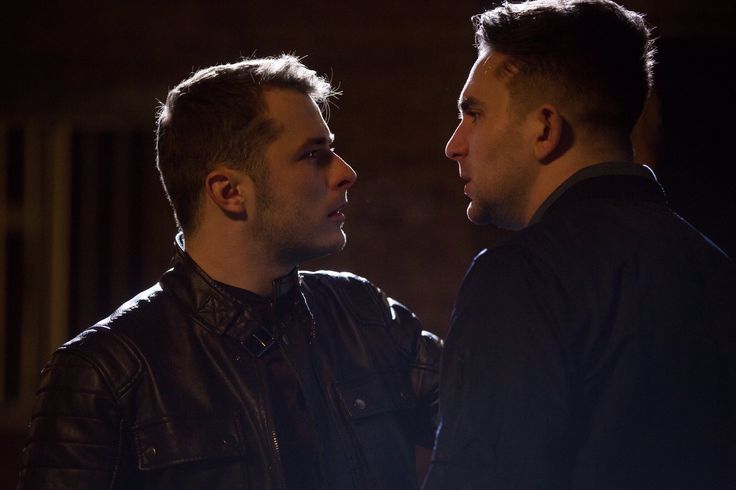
{"x":278,"y":469}
{"x":275,"y":440}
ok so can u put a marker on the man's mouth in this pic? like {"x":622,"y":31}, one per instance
{"x":338,"y":214}
{"x":466,"y":187}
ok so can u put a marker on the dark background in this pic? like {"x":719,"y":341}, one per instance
{"x":98,"y":68}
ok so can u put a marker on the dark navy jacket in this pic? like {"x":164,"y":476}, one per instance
{"x":596,"y":349}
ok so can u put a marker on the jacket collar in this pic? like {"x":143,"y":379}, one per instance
{"x":236,"y":313}
{"x":610,"y":180}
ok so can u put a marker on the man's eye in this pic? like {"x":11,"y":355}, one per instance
{"x":473,"y":115}
{"x":312,"y":154}
{"x":320,"y":154}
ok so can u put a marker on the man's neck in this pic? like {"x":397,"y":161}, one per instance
{"x":235,"y":262}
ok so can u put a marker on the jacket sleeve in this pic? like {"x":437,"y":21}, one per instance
{"x":424,"y":363}
{"x":74,"y":437}
{"x":505,"y":409}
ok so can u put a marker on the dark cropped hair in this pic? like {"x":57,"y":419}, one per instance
{"x":593,"y":53}
{"x":218,"y":116}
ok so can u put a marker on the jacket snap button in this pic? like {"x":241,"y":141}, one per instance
{"x":228,"y":441}
{"x":150,"y":452}
{"x":359,"y":404}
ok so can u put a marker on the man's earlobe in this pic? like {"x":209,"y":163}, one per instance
{"x":548,"y":144}
{"x":225,"y":189}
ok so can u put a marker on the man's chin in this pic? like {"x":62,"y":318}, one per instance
{"x":482,"y":216}
{"x":316,"y":252}
{"x":337,"y":244}
{"x":478,"y":215}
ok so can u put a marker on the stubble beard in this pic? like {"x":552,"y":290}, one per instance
{"x":508,"y":196}
{"x":505,"y":204}
{"x":281,"y":240}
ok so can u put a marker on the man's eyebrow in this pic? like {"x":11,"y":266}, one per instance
{"x":319,"y":141}
{"x":467,"y":102}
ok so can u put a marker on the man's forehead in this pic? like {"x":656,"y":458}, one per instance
{"x":476,"y":78}
{"x":307,"y":134}
{"x":489,"y":70}
{"x":290,"y":104}
{"x":491,"y":64}
{"x":296,"y":114}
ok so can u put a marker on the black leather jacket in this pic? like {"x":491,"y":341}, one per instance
{"x":168,"y":392}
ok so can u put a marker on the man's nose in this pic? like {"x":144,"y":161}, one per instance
{"x":457,"y":146}
{"x":344,"y":175}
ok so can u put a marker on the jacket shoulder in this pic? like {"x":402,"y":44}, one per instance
{"x":108,"y":345}
{"x":336,"y":279}
{"x":366,"y":301}
{"x":370,"y":306}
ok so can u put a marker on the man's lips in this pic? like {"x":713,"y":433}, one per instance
{"x":466,"y":187}
{"x":337,"y":214}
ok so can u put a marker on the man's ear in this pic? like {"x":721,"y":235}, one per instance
{"x":549,"y":135}
{"x":228,"y":189}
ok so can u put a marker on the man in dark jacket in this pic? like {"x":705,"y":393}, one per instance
{"x":595,"y":348}
{"x":237,"y":370}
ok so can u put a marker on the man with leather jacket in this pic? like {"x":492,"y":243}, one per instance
{"x":237,"y":370}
